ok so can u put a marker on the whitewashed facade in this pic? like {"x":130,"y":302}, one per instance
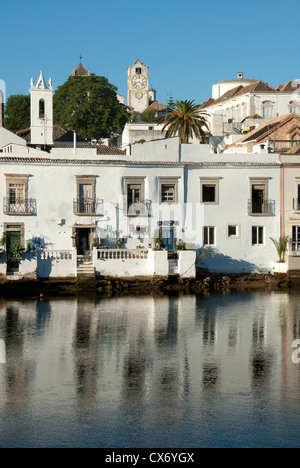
{"x":84,"y":204}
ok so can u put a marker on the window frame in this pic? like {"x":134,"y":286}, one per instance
{"x":168,"y":181}
{"x":238,"y":231}
{"x":80,"y":181}
{"x":209,"y":181}
{"x":138,"y":180}
{"x":262,"y":181}
{"x":19,"y":180}
{"x":258,"y":235}
{"x":207,"y":235}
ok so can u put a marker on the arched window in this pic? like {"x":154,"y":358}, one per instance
{"x":41,"y":108}
{"x":294,"y":107}
{"x":267,"y":110}
{"x":244,"y":110}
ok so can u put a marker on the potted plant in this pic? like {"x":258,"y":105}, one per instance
{"x":180,"y":245}
{"x":157,"y":240}
{"x":281,"y":247}
{"x":119,"y":243}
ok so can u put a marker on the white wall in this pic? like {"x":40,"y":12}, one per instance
{"x":53,"y":187}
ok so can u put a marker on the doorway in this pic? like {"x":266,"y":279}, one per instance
{"x":168,"y":238}
{"x":13,"y":244}
{"x":83,"y":241}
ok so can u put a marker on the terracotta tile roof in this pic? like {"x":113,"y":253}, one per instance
{"x":255,"y":87}
{"x":59,"y":134}
{"x":266,"y":128}
{"x":290,"y":87}
{"x":80,"y":71}
{"x":158,"y":106}
{"x":294,"y":150}
{"x":224,"y":163}
{"x":103,"y":149}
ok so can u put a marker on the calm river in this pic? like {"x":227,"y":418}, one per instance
{"x":191,"y":371}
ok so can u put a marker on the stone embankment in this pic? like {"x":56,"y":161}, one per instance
{"x":140,"y":285}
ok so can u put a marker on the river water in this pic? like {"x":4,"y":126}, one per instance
{"x":166,"y":372}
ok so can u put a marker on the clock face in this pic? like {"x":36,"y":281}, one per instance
{"x":139,"y":81}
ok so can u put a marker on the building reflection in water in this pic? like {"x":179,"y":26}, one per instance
{"x":151,"y":353}
{"x":17,"y":368}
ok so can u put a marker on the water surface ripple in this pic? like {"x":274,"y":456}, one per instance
{"x":190,"y":371}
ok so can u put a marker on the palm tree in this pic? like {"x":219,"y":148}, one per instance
{"x":185,"y":119}
{"x":281,"y":247}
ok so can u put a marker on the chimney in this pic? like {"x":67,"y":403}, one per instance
{"x":240,"y":75}
{"x":75,"y":143}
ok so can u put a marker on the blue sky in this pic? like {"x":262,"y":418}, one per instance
{"x":188,"y":46}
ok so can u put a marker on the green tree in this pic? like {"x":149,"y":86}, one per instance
{"x":185,"y":119}
{"x":149,"y":115}
{"x":17,"y":112}
{"x":89,"y":106}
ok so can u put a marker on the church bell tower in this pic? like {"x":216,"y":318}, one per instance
{"x":138,"y":87}
{"x":41,"y":112}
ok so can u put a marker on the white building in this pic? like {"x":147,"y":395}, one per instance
{"x":238,"y":104}
{"x":84,"y":207}
{"x":162,"y":192}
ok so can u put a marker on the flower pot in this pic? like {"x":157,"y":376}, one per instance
{"x":279,"y":267}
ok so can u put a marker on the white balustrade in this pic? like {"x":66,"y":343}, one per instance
{"x":56,"y":254}
{"x":122,"y":254}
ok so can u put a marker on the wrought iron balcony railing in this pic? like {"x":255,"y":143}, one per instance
{"x":256,"y":207}
{"x":88,"y":206}
{"x":24,"y":206}
{"x":140,"y":208}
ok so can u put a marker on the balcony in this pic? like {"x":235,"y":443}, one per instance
{"x":88,"y":206}
{"x":281,"y":146}
{"x":260,"y":207}
{"x":140,"y":208}
{"x":26,"y":206}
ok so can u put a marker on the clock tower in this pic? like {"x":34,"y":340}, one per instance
{"x":138,"y":87}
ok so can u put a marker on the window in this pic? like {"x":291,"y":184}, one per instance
{"x":233,"y":231}
{"x":209,"y":190}
{"x":42,"y":108}
{"x":85,"y":202}
{"x":295,"y":238}
{"x":138,"y":71}
{"x":259,"y":203}
{"x":257,"y":235}
{"x":168,"y":188}
{"x":167,"y":193}
{"x":16,"y":200}
{"x":295,"y":107}
{"x":208,"y":193}
{"x":297,"y":200}
{"x":134,"y":194}
{"x":267,"y":110}
{"x":209,"y":235}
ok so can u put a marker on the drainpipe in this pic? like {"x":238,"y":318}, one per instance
{"x":282,"y":201}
